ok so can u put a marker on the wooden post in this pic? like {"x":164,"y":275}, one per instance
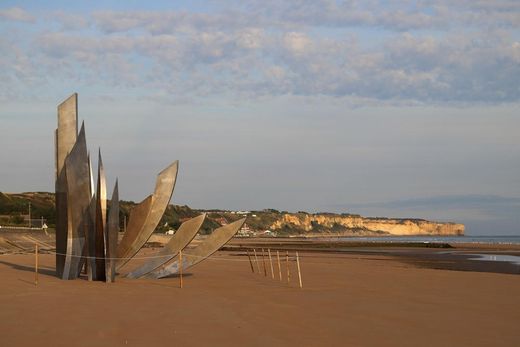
{"x":279,"y":265}
{"x":263,"y":261}
{"x":35,"y":264}
{"x":256,"y":260}
{"x":271,"y":263}
{"x":90,"y":270}
{"x":287,"y":264}
{"x":299,"y":272}
{"x":180,"y":267}
{"x":250,"y":262}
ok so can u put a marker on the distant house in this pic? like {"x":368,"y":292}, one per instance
{"x":221,"y":221}
{"x":169,"y":232}
{"x":245,"y":231}
{"x":267,"y":233}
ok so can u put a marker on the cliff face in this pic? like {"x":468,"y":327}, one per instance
{"x":342,"y":224}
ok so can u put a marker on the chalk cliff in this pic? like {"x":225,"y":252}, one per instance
{"x":345,"y":224}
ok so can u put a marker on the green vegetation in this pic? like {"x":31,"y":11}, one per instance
{"x":14,"y":210}
{"x":15,"y":207}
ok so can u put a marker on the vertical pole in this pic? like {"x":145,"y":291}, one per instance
{"x":271,"y":263}
{"x":287,"y":265}
{"x":124,"y":225}
{"x":35,"y":264}
{"x":263,"y":261}
{"x":299,"y":272}
{"x":256,"y":260}
{"x":279,"y":265}
{"x":180,"y":267}
{"x":250,"y":262}
{"x":29,"y":214}
{"x":89,"y":268}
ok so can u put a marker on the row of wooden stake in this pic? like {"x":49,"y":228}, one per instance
{"x":248,"y":255}
{"x":271,"y":265}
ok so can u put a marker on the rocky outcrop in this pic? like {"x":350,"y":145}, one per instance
{"x":344,"y":223}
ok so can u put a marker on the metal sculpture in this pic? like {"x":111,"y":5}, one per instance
{"x":179,"y":240}
{"x":81,"y":218}
{"x":87,"y":229}
{"x":218,"y":238}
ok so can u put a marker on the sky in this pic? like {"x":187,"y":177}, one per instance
{"x":383,"y":108}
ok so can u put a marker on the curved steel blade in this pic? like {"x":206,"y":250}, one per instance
{"x":217,"y":239}
{"x":182,"y":237}
{"x":137,"y":218}
{"x":161,"y":197}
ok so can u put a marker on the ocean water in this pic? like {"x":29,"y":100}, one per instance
{"x":515,"y":259}
{"x":490,"y":239}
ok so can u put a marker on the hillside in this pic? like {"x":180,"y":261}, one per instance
{"x":14,"y":211}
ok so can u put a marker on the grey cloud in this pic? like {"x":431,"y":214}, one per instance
{"x":251,"y":51}
{"x":399,"y":16}
{"x":16,"y":14}
{"x":252,"y":61}
{"x":169,"y":22}
{"x":69,"y":21}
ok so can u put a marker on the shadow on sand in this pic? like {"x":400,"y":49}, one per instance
{"x":42,"y":271}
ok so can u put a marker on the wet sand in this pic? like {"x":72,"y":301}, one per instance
{"x":347,"y":300}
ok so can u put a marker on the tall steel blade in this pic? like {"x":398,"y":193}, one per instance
{"x":65,"y":138}
{"x":111,"y":233}
{"x":79,"y":197}
{"x":100,"y":220}
{"x":191,"y":257}
{"x":179,"y":240}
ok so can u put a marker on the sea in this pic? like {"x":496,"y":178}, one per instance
{"x":485,"y":239}
{"x":477,"y":256}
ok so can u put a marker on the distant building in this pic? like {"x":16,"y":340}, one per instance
{"x":245,"y":231}
{"x":221,"y":221}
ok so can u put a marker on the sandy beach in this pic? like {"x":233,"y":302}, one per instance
{"x":346,"y":300}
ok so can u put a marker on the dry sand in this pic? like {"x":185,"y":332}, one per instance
{"x":347,"y":300}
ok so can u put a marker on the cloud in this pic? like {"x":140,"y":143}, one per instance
{"x":397,"y":16}
{"x":69,"y":21}
{"x":407,"y":67}
{"x":16,"y":14}
{"x":258,"y":49}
